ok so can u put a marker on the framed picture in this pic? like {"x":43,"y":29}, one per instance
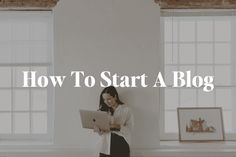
{"x":200,"y":124}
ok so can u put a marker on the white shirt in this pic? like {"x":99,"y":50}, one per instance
{"x":122,"y":116}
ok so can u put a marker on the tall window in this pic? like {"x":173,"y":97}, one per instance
{"x":26,"y":44}
{"x":204,"y":45}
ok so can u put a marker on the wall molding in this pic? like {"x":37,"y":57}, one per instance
{"x":196,"y":4}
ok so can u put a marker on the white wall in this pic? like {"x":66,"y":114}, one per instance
{"x":116,"y":35}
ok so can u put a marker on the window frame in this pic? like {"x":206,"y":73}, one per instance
{"x":172,"y":13}
{"x":50,"y":90}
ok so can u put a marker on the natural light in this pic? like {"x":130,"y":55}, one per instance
{"x":205,"y":46}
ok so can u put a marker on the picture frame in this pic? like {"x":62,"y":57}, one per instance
{"x":201,"y":124}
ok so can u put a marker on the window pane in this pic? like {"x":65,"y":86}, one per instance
{"x":21,"y":102}
{"x":39,"y":123}
{"x":223,"y":75}
{"x":21,"y":53}
{"x":171,"y":56}
{"x":170,"y":30}
{"x":5,"y":73}
{"x":205,"y":99}
{"x":19,"y":77}
{"x":39,"y":53}
{"x":187,"y":31}
{"x":5,"y":53}
{"x":40,"y":71}
{"x":39,"y":30}
{"x":222,"y":30}
{"x":171,"y":122}
{"x":204,"y":54}
{"x":39,"y":100}
{"x":22,"y":123}
{"x":187,"y":97}
{"x":228,"y":121}
{"x":5,"y":96}
{"x":187,"y":68}
{"x":186,"y":54}
{"x":5,"y":30}
{"x":225,"y":98}
{"x":222,"y":54}
{"x":205,"y":30}
{"x":184,"y":69}
{"x":169,"y":74}
{"x":20,"y":30}
{"x":5,"y":123}
{"x":205,"y":71}
{"x":172,"y":103}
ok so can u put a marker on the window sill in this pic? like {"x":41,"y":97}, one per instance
{"x":177,"y":149}
{"x":198,"y":145}
{"x":19,"y":145}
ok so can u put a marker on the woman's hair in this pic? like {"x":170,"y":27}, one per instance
{"x":113,"y":92}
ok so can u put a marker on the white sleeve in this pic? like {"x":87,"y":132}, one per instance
{"x":127,"y":127}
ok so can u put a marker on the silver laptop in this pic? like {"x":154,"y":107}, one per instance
{"x":91,"y":118}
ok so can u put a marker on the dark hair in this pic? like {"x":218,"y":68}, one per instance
{"x":113,"y":92}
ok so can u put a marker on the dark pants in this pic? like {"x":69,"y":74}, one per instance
{"x":119,"y":147}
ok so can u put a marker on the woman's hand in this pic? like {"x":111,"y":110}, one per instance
{"x":99,"y":131}
{"x":96,"y":128}
{"x":115,"y":126}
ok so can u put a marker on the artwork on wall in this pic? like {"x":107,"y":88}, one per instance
{"x":200,"y":124}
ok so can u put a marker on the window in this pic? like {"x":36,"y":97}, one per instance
{"x":26,"y":44}
{"x":204,"y":45}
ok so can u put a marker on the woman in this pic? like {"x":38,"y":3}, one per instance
{"x":116,"y":141}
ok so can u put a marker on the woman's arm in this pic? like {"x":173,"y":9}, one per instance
{"x":127,"y":124}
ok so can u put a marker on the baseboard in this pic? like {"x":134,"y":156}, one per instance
{"x":78,"y":152}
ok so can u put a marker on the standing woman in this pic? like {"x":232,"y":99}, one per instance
{"x":116,"y":141}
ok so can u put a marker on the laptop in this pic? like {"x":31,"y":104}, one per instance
{"x":91,"y":118}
